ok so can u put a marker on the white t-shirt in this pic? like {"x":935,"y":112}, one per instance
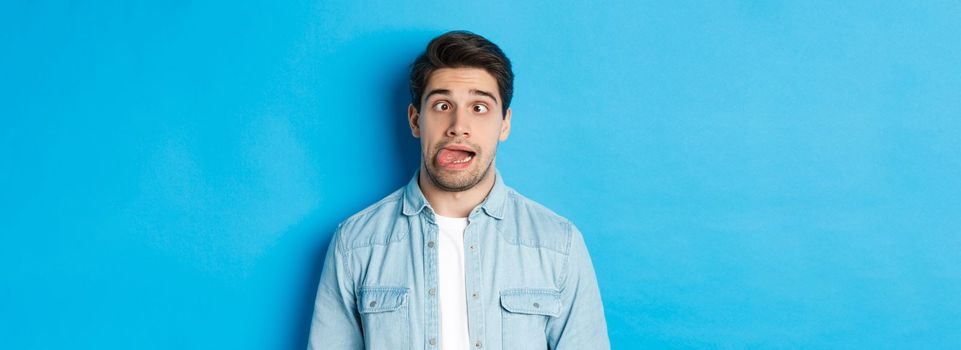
{"x":452,"y":290}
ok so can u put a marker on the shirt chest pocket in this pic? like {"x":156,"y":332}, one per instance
{"x":524,"y":316}
{"x":385,"y":317}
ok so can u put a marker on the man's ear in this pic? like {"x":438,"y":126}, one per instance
{"x":413,"y":118}
{"x":506,"y":125}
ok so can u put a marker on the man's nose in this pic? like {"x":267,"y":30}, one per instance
{"x":460,"y":124}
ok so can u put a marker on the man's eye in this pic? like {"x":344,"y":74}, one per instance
{"x":480,"y":109}
{"x":442,"y":106}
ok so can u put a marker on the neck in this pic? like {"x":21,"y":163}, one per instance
{"x":455,"y":204}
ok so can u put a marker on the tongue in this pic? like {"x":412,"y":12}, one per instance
{"x":447,"y":156}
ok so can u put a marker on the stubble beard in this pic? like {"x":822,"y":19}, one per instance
{"x":453,"y":183}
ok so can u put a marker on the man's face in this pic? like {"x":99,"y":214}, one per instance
{"x":459,"y":125}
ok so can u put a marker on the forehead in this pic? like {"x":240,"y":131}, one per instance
{"x":462,"y":80}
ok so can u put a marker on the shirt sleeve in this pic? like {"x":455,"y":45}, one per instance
{"x":581,"y":323}
{"x":336,"y":322}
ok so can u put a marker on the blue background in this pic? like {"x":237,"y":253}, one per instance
{"x":748,"y":174}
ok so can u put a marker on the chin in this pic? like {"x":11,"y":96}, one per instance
{"x":456,"y":180}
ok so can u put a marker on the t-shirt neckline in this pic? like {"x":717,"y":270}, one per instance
{"x":450,"y":221}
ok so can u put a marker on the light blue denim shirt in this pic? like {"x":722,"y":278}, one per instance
{"x":530,"y":281}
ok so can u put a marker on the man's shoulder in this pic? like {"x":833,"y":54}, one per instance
{"x":376,"y":224}
{"x":521,"y":204}
{"x":536,"y":225}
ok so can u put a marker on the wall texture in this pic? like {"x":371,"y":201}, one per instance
{"x":748,"y":174}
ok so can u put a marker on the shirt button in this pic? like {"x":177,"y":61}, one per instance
{"x":475,"y":295}
{"x":430,"y":244}
{"x":472,"y":247}
{"x":433,"y":341}
{"x":536,"y":305}
{"x":432,"y":291}
{"x":373,"y":303}
{"x":478,"y":344}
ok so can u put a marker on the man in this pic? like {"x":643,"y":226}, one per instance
{"x":456,"y":259}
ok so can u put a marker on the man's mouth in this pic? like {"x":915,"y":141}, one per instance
{"x":454,"y":158}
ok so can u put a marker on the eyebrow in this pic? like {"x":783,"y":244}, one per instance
{"x":436,"y":92}
{"x":447,"y":93}
{"x":483,"y":93}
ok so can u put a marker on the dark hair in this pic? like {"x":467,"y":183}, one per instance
{"x":461,"y":49}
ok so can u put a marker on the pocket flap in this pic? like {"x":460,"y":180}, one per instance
{"x":381,"y":299}
{"x":545,"y":302}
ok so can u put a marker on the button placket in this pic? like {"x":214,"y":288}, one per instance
{"x":431,"y":279}
{"x":472,"y":268}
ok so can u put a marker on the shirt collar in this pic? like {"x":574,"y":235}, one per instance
{"x":493,"y":205}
